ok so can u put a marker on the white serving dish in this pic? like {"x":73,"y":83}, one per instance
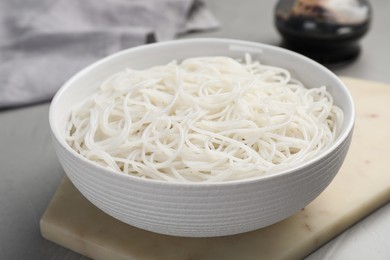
{"x":199,"y":209}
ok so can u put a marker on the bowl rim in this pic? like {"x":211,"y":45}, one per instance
{"x":250,"y":44}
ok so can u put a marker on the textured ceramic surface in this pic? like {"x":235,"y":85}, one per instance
{"x":200,"y":210}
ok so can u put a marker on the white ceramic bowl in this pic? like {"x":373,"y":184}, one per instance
{"x":200,"y":210}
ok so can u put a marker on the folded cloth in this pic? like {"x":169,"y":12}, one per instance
{"x":43,"y":43}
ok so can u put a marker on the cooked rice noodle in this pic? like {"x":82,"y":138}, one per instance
{"x":206,"y":119}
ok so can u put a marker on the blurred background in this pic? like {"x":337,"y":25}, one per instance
{"x":254,"y":21}
{"x":45,"y":42}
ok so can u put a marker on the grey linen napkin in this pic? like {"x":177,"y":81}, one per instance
{"x":43,"y":43}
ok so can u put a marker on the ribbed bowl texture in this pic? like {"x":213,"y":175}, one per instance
{"x":199,"y":209}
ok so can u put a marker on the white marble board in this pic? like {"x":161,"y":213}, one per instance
{"x":362,"y":185}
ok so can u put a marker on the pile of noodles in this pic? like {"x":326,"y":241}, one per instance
{"x":206,"y":119}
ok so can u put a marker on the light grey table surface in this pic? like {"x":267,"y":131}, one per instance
{"x":30,"y":171}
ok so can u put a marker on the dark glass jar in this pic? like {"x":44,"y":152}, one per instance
{"x":325,"y":30}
